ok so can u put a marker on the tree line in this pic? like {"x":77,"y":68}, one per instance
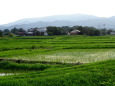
{"x":53,"y":30}
{"x":90,"y":31}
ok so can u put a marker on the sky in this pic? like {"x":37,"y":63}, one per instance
{"x":12,"y":10}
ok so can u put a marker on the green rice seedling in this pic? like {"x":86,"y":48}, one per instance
{"x":73,"y":56}
{"x":93,"y":74}
{"x":8,"y":65}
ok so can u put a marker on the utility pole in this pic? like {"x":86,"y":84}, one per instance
{"x":104,"y":26}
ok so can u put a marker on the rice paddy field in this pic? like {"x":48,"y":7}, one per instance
{"x":57,"y":61}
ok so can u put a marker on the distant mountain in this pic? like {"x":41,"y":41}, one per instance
{"x":2,"y":27}
{"x":71,"y":17}
{"x":63,"y":20}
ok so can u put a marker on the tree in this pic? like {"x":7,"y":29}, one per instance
{"x":51,"y":30}
{"x":42,"y":34}
{"x":97,"y":32}
{"x":50,"y":33}
{"x":37,"y":33}
{"x":21,"y":30}
{"x":10,"y":34}
{"x":14,"y":30}
{"x":109,"y":31}
{"x":92,"y":31}
{"x":66,"y":29}
{"x":81,"y":29}
{"x":1,"y":33}
{"x":6,"y":31}
{"x":103,"y":32}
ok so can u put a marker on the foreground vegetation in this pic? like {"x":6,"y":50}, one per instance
{"x":93,"y":74}
{"x":58,"y":61}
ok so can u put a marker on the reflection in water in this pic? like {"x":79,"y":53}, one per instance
{"x":5,"y":74}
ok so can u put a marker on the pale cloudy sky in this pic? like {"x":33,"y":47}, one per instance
{"x":12,"y":10}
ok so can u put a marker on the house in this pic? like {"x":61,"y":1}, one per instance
{"x":30,"y":33}
{"x":21,"y":33}
{"x":112,"y":33}
{"x":34,"y":31}
{"x":43,"y":30}
{"x":74,"y":32}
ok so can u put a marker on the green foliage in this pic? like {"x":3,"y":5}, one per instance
{"x":37,"y":33}
{"x":93,"y":74}
{"x":55,"y":31}
{"x":21,"y":30}
{"x":10,"y":35}
{"x":90,"y":31}
{"x":1,"y":33}
{"x":7,"y":65}
{"x":103,"y":31}
{"x":6,"y":31}
{"x":14,"y":30}
{"x":97,"y":33}
{"x":50,"y":33}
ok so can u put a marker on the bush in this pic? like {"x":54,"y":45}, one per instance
{"x":10,"y":35}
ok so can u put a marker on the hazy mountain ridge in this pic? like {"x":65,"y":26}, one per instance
{"x":62,"y":20}
{"x":71,"y":17}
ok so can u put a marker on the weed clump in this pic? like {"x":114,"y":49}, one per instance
{"x":8,"y":65}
